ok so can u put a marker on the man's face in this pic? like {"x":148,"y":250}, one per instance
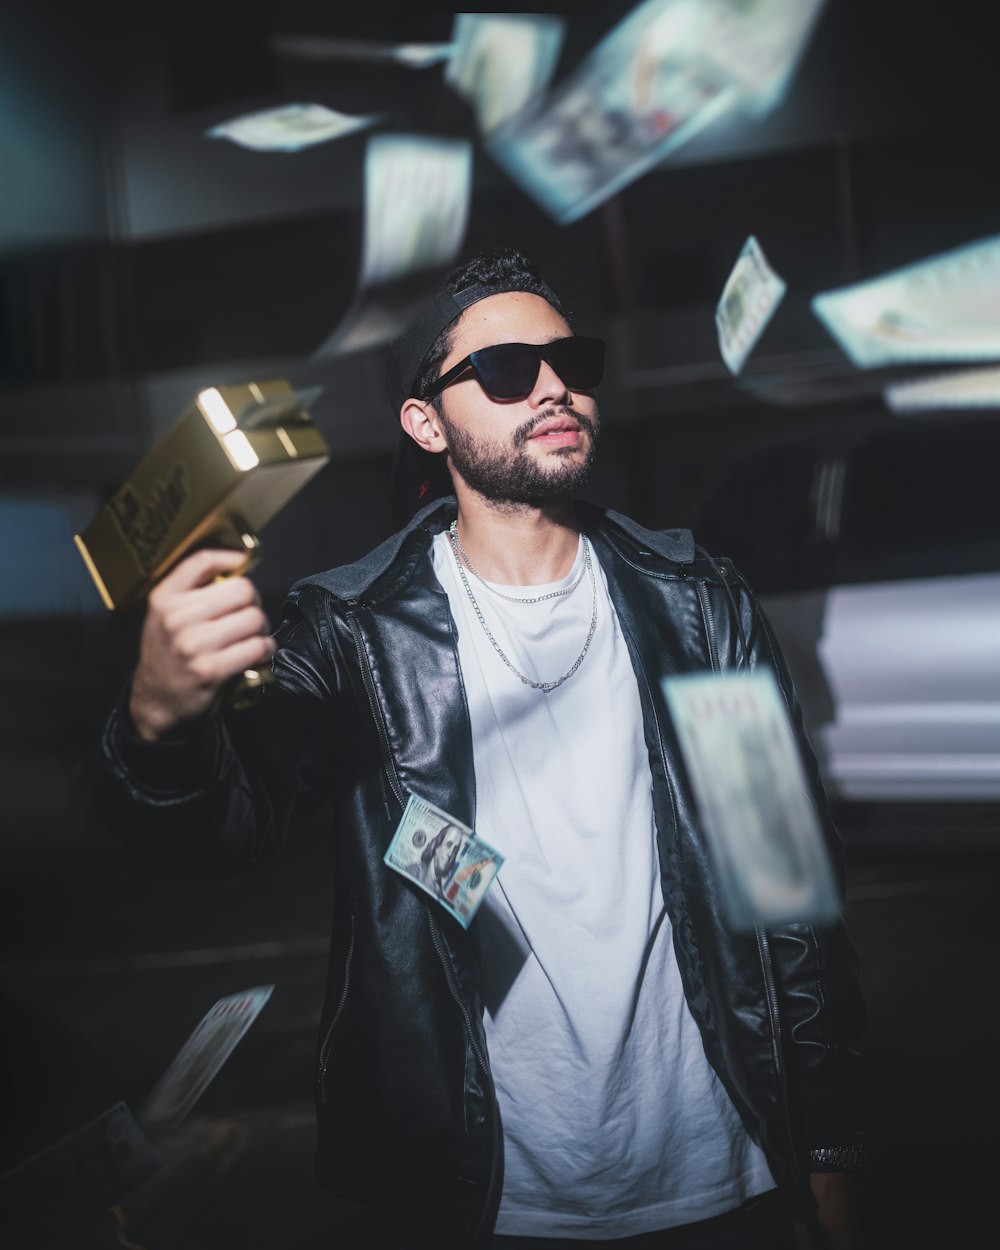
{"x":448,"y":844}
{"x":521,"y":451}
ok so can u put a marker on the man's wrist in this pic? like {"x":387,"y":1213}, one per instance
{"x":182,"y":761}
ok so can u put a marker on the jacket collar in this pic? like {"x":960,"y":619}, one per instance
{"x":675,"y":545}
{"x":350,"y":581}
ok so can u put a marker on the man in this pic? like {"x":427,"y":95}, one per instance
{"x":437,"y":860}
{"x":598,"y":1056}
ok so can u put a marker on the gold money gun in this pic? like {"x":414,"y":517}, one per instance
{"x":233,"y":459}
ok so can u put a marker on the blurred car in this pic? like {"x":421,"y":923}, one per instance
{"x":875,"y":552}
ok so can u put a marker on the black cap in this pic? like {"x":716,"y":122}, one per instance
{"x":420,"y":476}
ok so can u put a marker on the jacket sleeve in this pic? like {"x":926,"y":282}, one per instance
{"x":218,"y":797}
{"x":819,"y":997}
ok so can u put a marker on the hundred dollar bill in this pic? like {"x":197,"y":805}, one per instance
{"x":759,"y":44}
{"x":444,"y":858}
{"x":74,"y":1181}
{"x":416,"y":204}
{"x":202,"y":1055}
{"x":669,"y":70}
{"x":750,"y":788}
{"x":942,"y":308}
{"x":645,"y":90}
{"x":289,"y":128}
{"x":960,"y":388}
{"x":751,"y":294}
{"x":417,"y":195}
{"x":502,"y":62}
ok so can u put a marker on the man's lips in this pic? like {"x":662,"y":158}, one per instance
{"x":556,"y":432}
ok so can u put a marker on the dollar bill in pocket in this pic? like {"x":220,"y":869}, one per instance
{"x":444,"y":858}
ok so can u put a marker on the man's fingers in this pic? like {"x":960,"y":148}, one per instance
{"x":218,"y":667}
{"x":214,"y":635}
{"x":199,"y":569}
{"x":205,"y":603}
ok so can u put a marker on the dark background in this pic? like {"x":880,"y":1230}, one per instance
{"x":140,"y":261}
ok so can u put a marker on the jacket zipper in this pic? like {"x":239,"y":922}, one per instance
{"x":763,"y":945}
{"x":457,"y":995}
{"x":366,"y":677}
{"x":706,"y":611}
{"x":764,"y":949}
{"x":453,"y":988}
{"x":324,"y":1054}
{"x":390,"y":770}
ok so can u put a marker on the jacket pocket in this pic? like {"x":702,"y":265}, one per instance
{"x":326,"y":1049}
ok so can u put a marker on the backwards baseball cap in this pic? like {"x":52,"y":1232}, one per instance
{"x":420,"y":476}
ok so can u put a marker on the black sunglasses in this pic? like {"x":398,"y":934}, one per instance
{"x":510,"y":370}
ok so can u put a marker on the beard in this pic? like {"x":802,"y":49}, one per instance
{"x":509,"y":475}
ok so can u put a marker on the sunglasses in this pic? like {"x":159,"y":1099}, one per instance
{"x":510,"y":370}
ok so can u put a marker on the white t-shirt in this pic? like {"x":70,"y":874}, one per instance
{"x":614,"y":1122}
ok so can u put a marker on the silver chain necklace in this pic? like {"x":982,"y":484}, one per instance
{"x":588,"y":567}
{"x":553,"y":594}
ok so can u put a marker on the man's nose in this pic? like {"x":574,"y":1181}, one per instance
{"x":549,"y":387}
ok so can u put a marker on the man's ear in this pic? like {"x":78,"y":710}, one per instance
{"x":420,"y":420}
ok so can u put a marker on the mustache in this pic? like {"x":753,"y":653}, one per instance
{"x":525,"y":430}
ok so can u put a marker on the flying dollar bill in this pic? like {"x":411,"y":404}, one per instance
{"x":750,"y":788}
{"x":502,"y":62}
{"x":417,"y":196}
{"x":643,"y":92}
{"x":942,"y":308}
{"x":759,"y":44}
{"x":289,"y":128}
{"x":202,"y":1055}
{"x":668,"y":71}
{"x":960,"y":388}
{"x":416,"y":204}
{"x":749,"y":298}
{"x":75,"y":1180}
{"x":444,"y":858}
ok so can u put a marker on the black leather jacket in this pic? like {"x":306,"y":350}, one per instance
{"x":369,"y":706}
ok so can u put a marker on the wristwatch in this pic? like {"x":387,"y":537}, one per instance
{"x":838,"y":1158}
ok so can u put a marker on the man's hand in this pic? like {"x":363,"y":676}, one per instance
{"x":198,"y":634}
{"x":836,"y":1214}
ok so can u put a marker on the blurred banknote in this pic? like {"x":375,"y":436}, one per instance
{"x":759,"y":44}
{"x":417,"y":193}
{"x":666,"y":72}
{"x":749,"y":298}
{"x":416,"y":204}
{"x":289,"y":128}
{"x":502,"y":62}
{"x":942,"y":308}
{"x":644,"y":91}
{"x":202,"y":1055}
{"x":960,"y":388}
{"x":444,"y":858}
{"x":748,"y":781}
{"x":72,"y":1182}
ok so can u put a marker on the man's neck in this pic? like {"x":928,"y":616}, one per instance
{"x":518,"y":544}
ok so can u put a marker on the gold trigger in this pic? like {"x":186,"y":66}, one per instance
{"x":246,"y":690}
{"x":249,"y":544}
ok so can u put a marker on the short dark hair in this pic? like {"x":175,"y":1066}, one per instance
{"x":504,"y":268}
